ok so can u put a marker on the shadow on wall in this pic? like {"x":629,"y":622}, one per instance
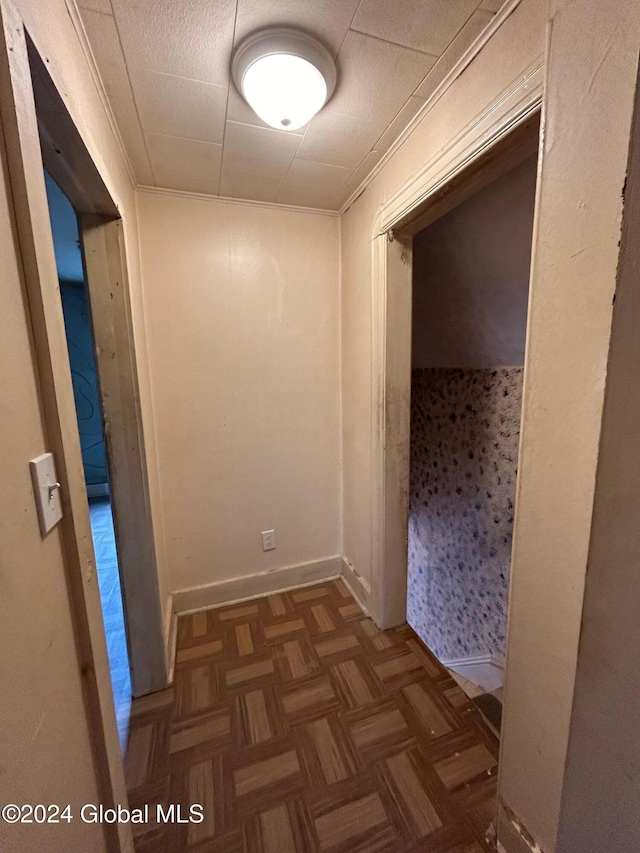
{"x":465,"y":428}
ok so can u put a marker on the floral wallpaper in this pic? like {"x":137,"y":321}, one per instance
{"x":465,"y":428}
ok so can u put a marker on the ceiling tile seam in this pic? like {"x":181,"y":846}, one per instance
{"x":85,"y":46}
{"x":344,"y":38}
{"x":337,"y":195}
{"x":135,"y":102}
{"x":394,"y":118}
{"x":231,"y":83}
{"x":262,"y":127}
{"x":188,"y":194}
{"x":186,"y":79}
{"x":351,"y":169}
{"x":456,"y":70}
{"x":434,"y":56}
{"x":282,"y":182}
{"x":444,"y":52}
{"x":336,"y":60}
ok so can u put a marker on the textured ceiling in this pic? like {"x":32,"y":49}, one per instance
{"x":165,"y":68}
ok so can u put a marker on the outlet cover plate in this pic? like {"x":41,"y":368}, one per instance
{"x":268,"y":540}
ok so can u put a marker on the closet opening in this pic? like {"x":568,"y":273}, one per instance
{"x":470,"y":265}
{"x":469,"y":300}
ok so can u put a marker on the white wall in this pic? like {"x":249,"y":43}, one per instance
{"x":242,"y":315}
{"x":471,"y":277}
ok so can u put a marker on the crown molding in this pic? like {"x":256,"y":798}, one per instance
{"x":465,"y":60}
{"x":227,"y":200}
{"x":78,"y":25}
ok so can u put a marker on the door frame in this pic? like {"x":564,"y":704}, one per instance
{"x":494,"y":143}
{"x":39,"y":133}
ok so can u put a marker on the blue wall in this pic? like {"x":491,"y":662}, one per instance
{"x":77,"y":321}
{"x":85,"y":381}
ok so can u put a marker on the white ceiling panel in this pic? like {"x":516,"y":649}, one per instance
{"x":339,"y":140}
{"x":399,"y":123}
{"x":492,"y":5}
{"x":126,"y":116}
{"x":176,"y":106}
{"x":166,"y":65}
{"x":427,"y":25}
{"x":327,"y":20}
{"x":249,"y":185}
{"x":97,"y":6}
{"x":184,"y":164}
{"x":465,"y":38}
{"x":188,"y":39}
{"x":376,"y":77}
{"x":105,"y":45}
{"x":312,"y":184}
{"x":370,"y":162}
{"x":239,"y":110}
{"x":259,"y":149}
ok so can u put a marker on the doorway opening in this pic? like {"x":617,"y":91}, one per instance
{"x":469,"y":319}
{"x":78,"y":324}
{"x":482,"y":157}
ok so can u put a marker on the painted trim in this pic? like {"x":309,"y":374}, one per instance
{"x":512,"y":108}
{"x":171,"y":640}
{"x":234,"y":590}
{"x":391,"y":329}
{"x":78,"y":25}
{"x":461,"y":65}
{"x":247,"y":202}
{"x":485,"y":671}
{"x":474,"y":661}
{"x":359,"y":588}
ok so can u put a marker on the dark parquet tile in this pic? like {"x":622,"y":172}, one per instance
{"x":299,"y":727}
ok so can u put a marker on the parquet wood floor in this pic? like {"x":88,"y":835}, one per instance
{"x":302,"y":728}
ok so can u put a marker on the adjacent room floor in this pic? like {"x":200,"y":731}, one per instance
{"x":299,"y":726}
{"x":104,"y":545}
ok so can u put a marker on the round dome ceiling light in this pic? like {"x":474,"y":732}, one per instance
{"x":285,"y":76}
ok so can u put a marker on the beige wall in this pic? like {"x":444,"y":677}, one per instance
{"x":600,"y":798}
{"x":51,"y":28}
{"x":471,"y":277}
{"x":589,"y":98}
{"x":517,"y":45}
{"x":45,"y":753}
{"x":242,"y":312}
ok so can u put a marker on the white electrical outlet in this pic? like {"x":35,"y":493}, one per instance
{"x":268,"y":540}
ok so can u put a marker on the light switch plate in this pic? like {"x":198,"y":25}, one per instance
{"x":46,"y":489}
{"x":268,"y":540}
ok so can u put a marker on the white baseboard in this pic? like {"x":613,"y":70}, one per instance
{"x":254,"y":586}
{"x":357,"y":585}
{"x":485,"y":671}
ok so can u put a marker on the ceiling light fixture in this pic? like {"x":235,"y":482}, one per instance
{"x":285,"y":76}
